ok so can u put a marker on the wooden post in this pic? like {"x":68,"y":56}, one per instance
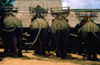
{"x":68,"y":10}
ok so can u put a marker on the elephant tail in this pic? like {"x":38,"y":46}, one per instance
{"x":9,"y":30}
{"x":94,"y":30}
{"x":95,"y":35}
{"x":38,"y":31}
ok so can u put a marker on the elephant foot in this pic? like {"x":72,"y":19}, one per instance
{"x":6,"y":51}
{"x":94,"y":59}
{"x":88,"y":58}
{"x":79,"y":53}
{"x":42,"y":53}
{"x":14,"y":56}
{"x":63,"y":56}
{"x":59,"y":55}
{"x":36,"y":52}
{"x":20,"y":55}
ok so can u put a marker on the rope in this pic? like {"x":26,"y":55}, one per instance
{"x":89,"y":26}
{"x":94,"y":27}
{"x":56,"y":25}
{"x":61,"y":25}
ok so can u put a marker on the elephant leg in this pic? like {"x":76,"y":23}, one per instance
{"x":19,"y":45}
{"x":13,"y":47}
{"x":58,"y":53}
{"x":41,"y":45}
{"x":37,"y":47}
{"x":63,"y":47}
{"x":57,"y":46}
{"x":64,"y":40}
{"x":6,"y":43}
{"x":94,"y":57}
{"x":33,"y":34}
{"x":19,"y":36}
{"x":79,"y":43}
{"x":6,"y":46}
{"x":41,"y":50}
{"x":88,"y":50}
{"x":42,"y":41}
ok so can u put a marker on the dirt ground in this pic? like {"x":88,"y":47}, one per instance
{"x":49,"y":59}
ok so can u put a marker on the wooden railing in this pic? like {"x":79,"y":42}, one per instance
{"x":86,"y":14}
{"x":9,"y":8}
{"x":56,"y":11}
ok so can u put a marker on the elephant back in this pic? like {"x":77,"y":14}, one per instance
{"x":12,"y":23}
{"x":39,"y":23}
{"x":59,"y":24}
{"x":89,"y":27}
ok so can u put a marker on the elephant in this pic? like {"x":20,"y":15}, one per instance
{"x":89,"y":33}
{"x":60,"y":30}
{"x":12,"y":33}
{"x":38,"y":30}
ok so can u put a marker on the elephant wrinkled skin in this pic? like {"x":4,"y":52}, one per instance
{"x":60,"y":33}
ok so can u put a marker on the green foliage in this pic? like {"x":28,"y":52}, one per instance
{"x":6,"y":2}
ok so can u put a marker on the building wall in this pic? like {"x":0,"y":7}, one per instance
{"x":24,"y":5}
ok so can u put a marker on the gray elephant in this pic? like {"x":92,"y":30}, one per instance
{"x":89,"y":33}
{"x":12,"y":33}
{"x":60,"y":30}
{"x":38,"y":31}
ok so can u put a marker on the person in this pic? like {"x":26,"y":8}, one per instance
{"x":75,"y":11}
